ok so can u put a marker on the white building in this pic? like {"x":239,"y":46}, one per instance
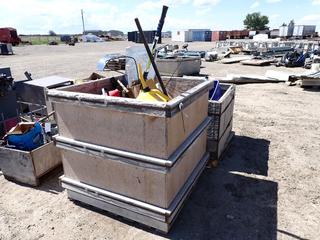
{"x":182,"y":36}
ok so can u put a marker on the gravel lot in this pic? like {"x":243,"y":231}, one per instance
{"x":266,"y":187}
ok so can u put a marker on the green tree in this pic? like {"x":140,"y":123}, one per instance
{"x":256,"y":21}
{"x":52,"y":33}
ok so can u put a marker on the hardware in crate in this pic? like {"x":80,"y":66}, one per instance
{"x":113,"y":62}
{"x":28,"y":152}
{"x":220,"y":110}
{"x":9,"y":109}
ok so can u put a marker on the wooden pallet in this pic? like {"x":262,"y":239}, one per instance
{"x":132,"y":209}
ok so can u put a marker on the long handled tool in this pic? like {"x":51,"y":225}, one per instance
{"x":150,"y":56}
{"x":156,"y":39}
{"x":147,"y":94}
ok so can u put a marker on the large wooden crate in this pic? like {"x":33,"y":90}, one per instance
{"x":150,"y":128}
{"x":220,"y":128}
{"x":28,"y":166}
{"x":152,"y":180}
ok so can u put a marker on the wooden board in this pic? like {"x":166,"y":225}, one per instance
{"x":247,"y":78}
{"x":310,"y":82}
{"x":235,"y":59}
{"x":154,"y":185}
{"x":27,"y":167}
{"x":258,"y":62}
{"x":150,"y":215}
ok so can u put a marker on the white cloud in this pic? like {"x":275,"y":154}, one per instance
{"x":205,"y":3}
{"x":203,"y":11}
{"x":274,"y":16}
{"x":255,"y":5}
{"x":153,"y":5}
{"x":316,"y":2}
{"x":273,"y":1}
{"x":62,"y":16}
{"x":312,"y":18}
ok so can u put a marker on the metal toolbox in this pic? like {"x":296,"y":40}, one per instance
{"x":28,"y":166}
{"x":32,"y":92}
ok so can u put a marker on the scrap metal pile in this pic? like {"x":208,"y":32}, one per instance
{"x":264,"y":53}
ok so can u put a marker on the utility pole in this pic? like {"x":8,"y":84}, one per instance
{"x":82,"y":21}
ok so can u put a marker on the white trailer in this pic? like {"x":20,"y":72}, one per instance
{"x":304,"y":30}
{"x":182,"y":36}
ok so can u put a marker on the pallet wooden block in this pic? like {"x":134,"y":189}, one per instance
{"x":27,"y":167}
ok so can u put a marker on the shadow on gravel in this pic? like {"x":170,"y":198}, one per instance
{"x":227,"y":205}
{"x":50,"y":182}
{"x":248,"y":155}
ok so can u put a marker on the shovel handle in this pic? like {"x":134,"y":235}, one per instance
{"x":161,"y":21}
{"x":150,"y":56}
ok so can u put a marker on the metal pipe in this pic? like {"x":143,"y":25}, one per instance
{"x":139,"y":157}
{"x":150,"y":56}
{"x":115,"y":196}
{"x":143,"y":158}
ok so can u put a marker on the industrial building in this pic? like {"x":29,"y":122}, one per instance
{"x":296,"y":31}
{"x":224,"y":35}
{"x":134,"y":36}
{"x":192,"y":35}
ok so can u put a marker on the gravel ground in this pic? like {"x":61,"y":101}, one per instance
{"x":266,"y":187}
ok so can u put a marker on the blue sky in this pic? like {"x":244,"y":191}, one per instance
{"x":63,"y":16}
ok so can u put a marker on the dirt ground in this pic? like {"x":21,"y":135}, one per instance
{"x":266,"y":187}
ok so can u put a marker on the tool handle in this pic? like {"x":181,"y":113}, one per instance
{"x":150,"y":56}
{"x":161,"y":21}
{"x":156,"y":37}
{"x":142,"y":80}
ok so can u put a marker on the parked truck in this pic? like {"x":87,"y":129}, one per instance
{"x":9,"y":35}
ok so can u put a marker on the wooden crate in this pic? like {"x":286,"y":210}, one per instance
{"x":150,"y":128}
{"x":28,"y":166}
{"x":220,"y":128}
{"x":152,"y":180}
